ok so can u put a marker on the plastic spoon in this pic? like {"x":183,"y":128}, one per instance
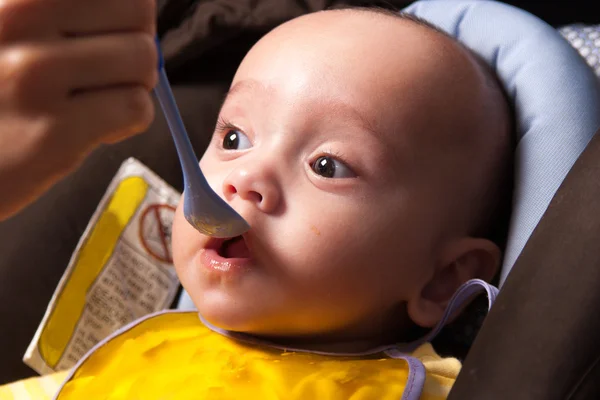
{"x":202,"y":207}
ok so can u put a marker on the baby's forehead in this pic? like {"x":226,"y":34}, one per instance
{"x":396,"y":71}
{"x":350,"y":39}
{"x":359,"y":38}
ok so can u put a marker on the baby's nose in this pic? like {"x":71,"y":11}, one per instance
{"x":253,"y":183}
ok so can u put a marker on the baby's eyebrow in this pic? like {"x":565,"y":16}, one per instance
{"x":345,"y":110}
{"x":248,"y":85}
{"x":337,"y":108}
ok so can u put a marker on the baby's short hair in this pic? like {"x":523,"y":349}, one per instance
{"x":396,"y":14}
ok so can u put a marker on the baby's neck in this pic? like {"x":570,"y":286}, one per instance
{"x":348,"y":341}
{"x":365,"y":336}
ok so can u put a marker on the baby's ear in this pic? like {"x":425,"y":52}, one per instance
{"x":462,"y":260}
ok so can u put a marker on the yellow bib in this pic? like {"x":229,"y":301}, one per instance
{"x":175,"y":356}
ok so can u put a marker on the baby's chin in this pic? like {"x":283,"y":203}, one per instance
{"x":249,"y":319}
{"x":224,"y":312}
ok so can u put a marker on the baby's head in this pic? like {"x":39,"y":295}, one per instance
{"x":365,"y":150}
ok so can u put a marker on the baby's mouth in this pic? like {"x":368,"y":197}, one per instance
{"x":227,"y":257}
{"x":235,"y":247}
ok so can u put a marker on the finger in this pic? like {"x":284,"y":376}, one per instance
{"x":23,"y":20}
{"x":26,"y":85}
{"x":48,"y":20}
{"x":84,"y":17}
{"x":108,"y":60}
{"x":36,"y":77}
{"x":109,"y":115}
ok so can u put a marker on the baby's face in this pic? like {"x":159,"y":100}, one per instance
{"x":323,"y":147}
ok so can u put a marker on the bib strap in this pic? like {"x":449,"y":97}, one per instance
{"x":416,"y":378}
{"x":464,"y":294}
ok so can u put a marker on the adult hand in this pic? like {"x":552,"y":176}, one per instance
{"x":73,"y":74}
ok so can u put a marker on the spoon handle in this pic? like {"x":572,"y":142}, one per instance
{"x":192,"y":174}
{"x":187,"y":157}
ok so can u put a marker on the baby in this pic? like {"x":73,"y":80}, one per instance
{"x":369,"y":153}
{"x":365,"y":149}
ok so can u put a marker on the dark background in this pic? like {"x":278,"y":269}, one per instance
{"x":562,"y":12}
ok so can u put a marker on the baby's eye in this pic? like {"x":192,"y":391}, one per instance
{"x":329,"y":167}
{"x":236,"y":140}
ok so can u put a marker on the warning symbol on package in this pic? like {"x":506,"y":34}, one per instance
{"x":155,"y":231}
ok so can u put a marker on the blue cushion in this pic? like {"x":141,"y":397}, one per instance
{"x":555,"y":94}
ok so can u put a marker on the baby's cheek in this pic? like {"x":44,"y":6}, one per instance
{"x":324,"y":248}
{"x":315,"y":230}
{"x":180,"y":239}
{"x":184,"y":247}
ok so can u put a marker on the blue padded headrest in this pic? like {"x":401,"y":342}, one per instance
{"x":555,"y":94}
